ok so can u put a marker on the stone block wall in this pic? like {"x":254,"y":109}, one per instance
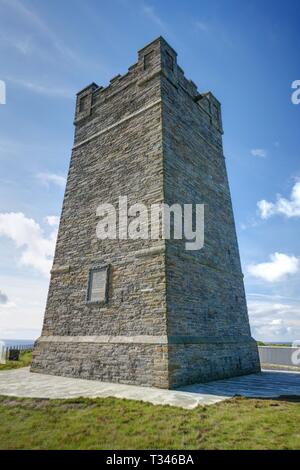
{"x":149,"y":135}
{"x":206,"y":305}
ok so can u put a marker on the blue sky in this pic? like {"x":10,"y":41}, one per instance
{"x":246,"y":53}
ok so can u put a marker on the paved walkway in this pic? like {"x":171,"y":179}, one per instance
{"x":267,"y":384}
{"x":22,"y":383}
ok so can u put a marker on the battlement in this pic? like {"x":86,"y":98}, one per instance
{"x":155,"y":59}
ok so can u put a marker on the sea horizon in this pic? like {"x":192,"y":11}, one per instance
{"x":18,"y":342}
{"x":30,"y":342}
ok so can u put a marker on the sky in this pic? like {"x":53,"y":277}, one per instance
{"x":245,"y":52}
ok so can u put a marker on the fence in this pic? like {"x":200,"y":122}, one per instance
{"x":285,"y":356}
{"x":13,"y":352}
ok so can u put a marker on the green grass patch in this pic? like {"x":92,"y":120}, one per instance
{"x":25,"y":360}
{"x":110,"y":423}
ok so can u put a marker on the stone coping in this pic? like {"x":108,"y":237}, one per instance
{"x":142,"y":339}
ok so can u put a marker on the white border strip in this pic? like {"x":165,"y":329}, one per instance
{"x":143,"y":339}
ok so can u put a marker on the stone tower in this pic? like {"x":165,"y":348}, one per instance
{"x":146,"y":311}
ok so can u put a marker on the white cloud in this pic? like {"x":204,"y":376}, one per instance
{"x":250,"y":223}
{"x":277,"y":321}
{"x":42,"y":89}
{"x":279,"y":266}
{"x":36,"y":249}
{"x":22,"y":319}
{"x":30,"y":16}
{"x":259,"y":153}
{"x":287,"y":207}
{"x":3,"y":298}
{"x":201,"y":26}
{"x":21,"y":44}
{"x":265,"y":208}
{"x":52,"y":220}
{"x":273,"y":297}
{"x":47,"y":178}
{"x":274,"y":321}
{"x":149,"y":11}
{"x":44,"y":43}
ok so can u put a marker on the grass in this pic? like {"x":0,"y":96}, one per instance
{"x":280,"y":345}
{"x":25,"y":360}
{"x":110,"y":423}
{"x":280,"y":367}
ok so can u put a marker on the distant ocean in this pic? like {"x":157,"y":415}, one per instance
{"x":30,"y":342}
{"x":18,"y":342}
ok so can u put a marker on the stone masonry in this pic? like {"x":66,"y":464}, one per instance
{"x":170,"y":316}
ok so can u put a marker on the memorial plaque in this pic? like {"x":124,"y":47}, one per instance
{"x":97,"y":285}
